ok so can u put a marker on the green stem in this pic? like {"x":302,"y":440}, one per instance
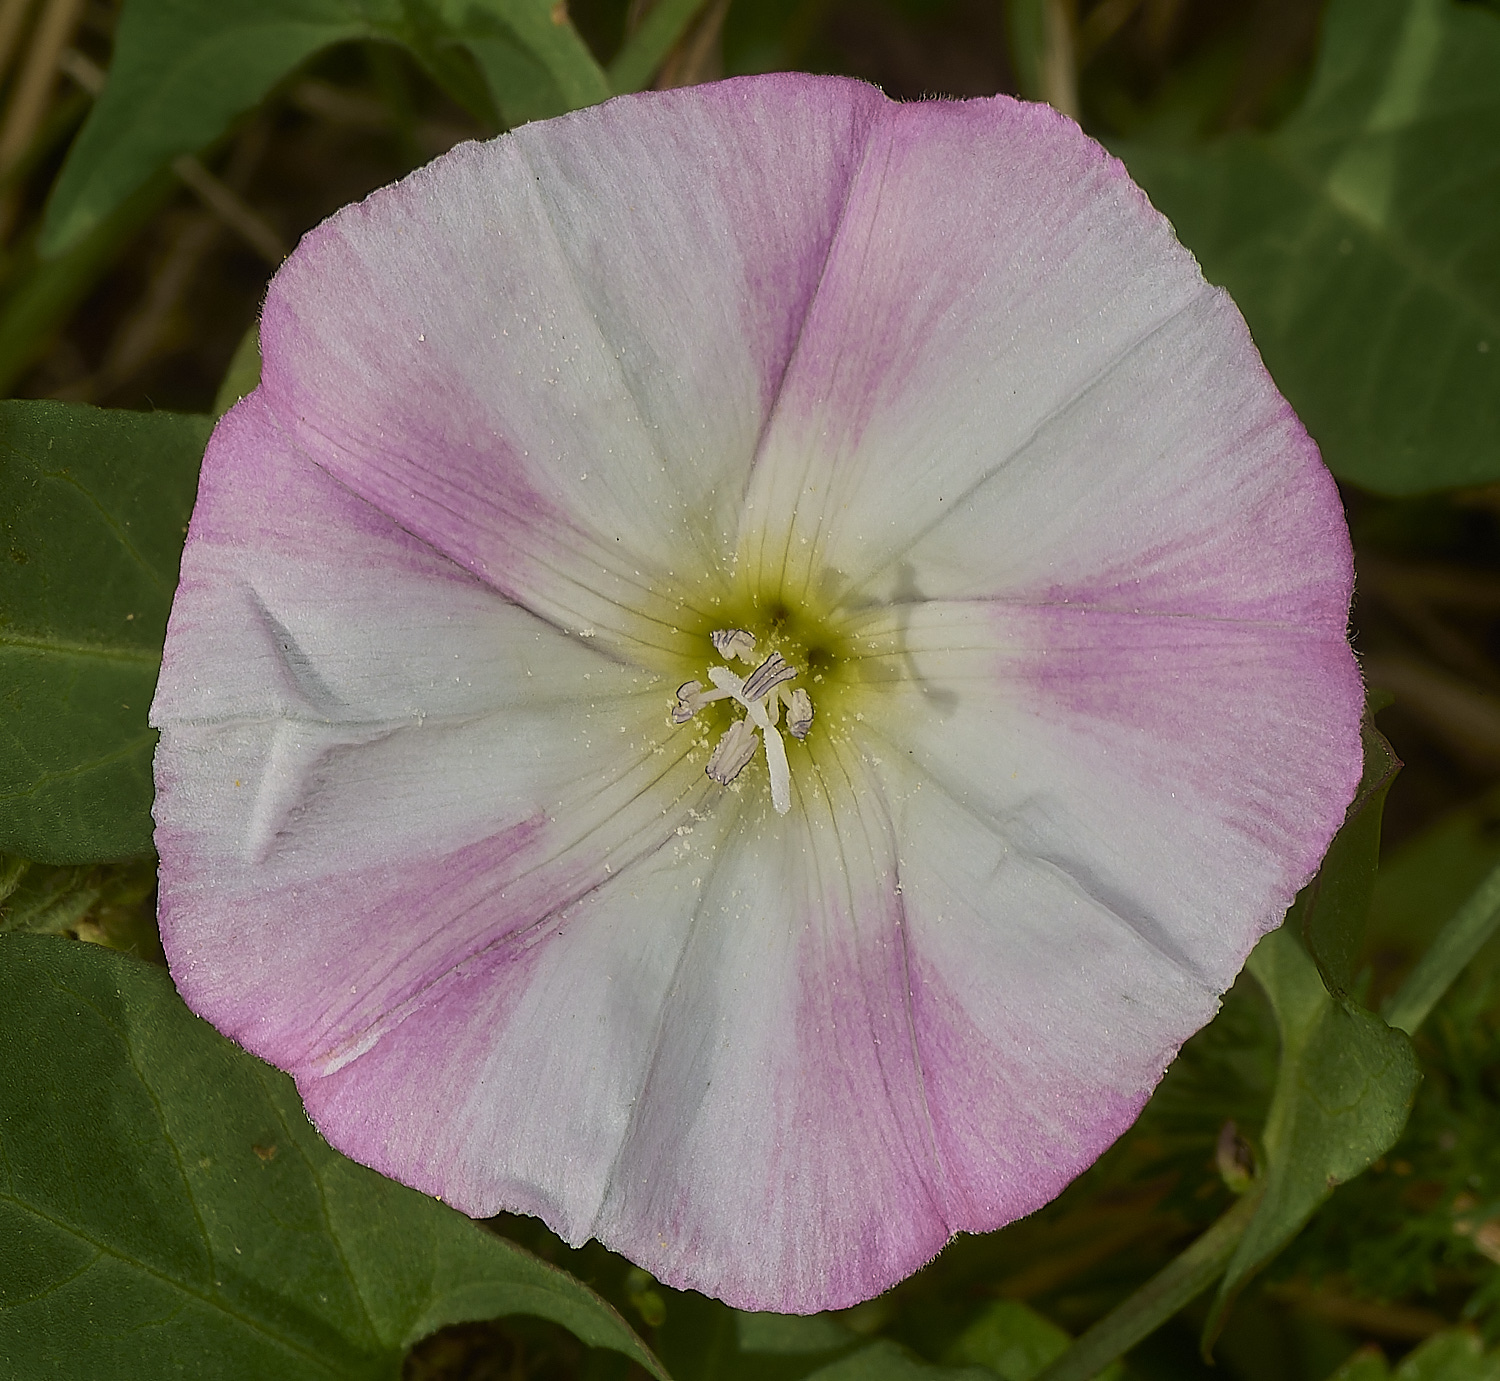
{"x":644,"y":50}
{"x":1042,"y":51}
{"x":1457,"y":942}
{"x":1059,"y":63}
{"x":1158,"y":1299}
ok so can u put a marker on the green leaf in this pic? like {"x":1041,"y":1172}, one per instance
{"x":792,"y":1334}
{"x":1362,"y":241}
{"x":1332,"y":909}
{"x":653,"y":39}
{"x":93,"y":508}
{"x":182,"y":70}
{"x":1456,"y":1355}
{"x":1016,"y":1343}
{"x":176,"y":1214}
{"x":1342,"y":1096}
{"x":532,"y":57}
{"x":243,"y":374}
{"x":885,"y":1361}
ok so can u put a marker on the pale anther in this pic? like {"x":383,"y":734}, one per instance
{"x":688,"y":701}
{"x":798,"y":712}
{"x":733,"y":752}
{"x":730,"y":643}
{"x":767,"y":676}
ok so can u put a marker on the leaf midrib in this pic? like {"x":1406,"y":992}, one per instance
{"x":213,"y":1302}
{"x":1282,"y":153}
{"x":148,"y":568}
{"x":64,"y":647}
{"x":38,"y":785}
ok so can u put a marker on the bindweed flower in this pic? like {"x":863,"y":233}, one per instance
{"x":756,"y":664}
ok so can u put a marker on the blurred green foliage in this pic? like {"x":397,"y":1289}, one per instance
{"x":1361,"y":238}
{"x":183,"y":69}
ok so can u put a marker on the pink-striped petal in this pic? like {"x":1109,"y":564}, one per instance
{"x":551,"y":356}
{"x":1101,"y":812}
{"x":781,"y":1152}
{"x":373,"y":767}
{"x":1014,"y":381}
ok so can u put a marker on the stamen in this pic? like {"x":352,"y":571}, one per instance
{"x":730,"y":643}
{"x":691,"y":697}
{"x":688,"y":702}
{"x":780,"y":769}
{"x":776,"y":763}
{"x":767,"y":676}
{"x":762,"y":696}
{"x":728,"y":683}
{"x":798,"y":712}
{"x":733,"y":752}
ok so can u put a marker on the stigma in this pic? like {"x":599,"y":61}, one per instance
{"x":762,"y":694}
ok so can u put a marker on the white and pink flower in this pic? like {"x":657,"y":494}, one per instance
{"x":483,"y":809}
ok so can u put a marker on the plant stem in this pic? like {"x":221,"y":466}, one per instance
{"x":1457,"y":942}
{"x":1042,"y":50}
{"x":38,"y":75}
{"x":1059,"y":61}
{"x":636,"y":63}
{"x":1175,"y":1285}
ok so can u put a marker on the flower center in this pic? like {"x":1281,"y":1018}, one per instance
{"x":762,"y":694}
